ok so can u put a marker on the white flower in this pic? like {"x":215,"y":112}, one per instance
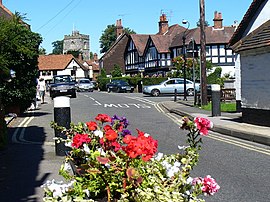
{"x":86,"y":149}
{"x":177,"y":164}
{"x":159,"y":156}
{"x":182,"y":147}
{"x":98,"y":133}
{"x":67,"y":166}
{"x":146,"y":135}
{"x":101,"y":151}
{"x":68,"y":144}
{"x":189,"y":180}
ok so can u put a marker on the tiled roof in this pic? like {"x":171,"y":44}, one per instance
{"x":93,"y":63}
{"x":260,"y":37}
{"x":251,"y":12}
{"x":4,"y":12}
{"x":140,"y":41}
{"x":212,"y":36}
{"x":161,"y":42}
{"x":56,"y":62}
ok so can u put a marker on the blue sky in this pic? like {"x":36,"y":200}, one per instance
{"x":55,"y":18}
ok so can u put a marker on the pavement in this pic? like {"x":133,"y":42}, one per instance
{"x":227,"y":124}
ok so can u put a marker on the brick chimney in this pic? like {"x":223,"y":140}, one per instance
{"x":1,"y":2}
{"x":119,"y":28}
{"x":163,"y":24}
{"x":217,"y":20}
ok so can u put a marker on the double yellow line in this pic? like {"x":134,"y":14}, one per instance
{"x":228,"y":140}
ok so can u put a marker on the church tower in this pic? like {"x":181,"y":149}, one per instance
{"x":77,"y":42}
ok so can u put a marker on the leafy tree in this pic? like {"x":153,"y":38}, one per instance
{"x":42,"y":51}
{"x":74,"y":53}
{"x":91,"y":55}
{"x":57,"y":47}
{"x":19,"y":51}
{"x":108,"y":37}
{"x":116,"y":72}
{"x":103,"y":73}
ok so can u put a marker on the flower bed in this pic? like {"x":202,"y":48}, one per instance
{"x":106,"y":162}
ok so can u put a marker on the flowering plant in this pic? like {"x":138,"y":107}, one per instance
{"x":107,"y":162}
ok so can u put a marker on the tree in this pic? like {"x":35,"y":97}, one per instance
{"x":108,"y":37}
{"x":19,"y":51}
{"x":42,"y":51}
{"x":74,"y":53}
{"x":57,"y":47}
{"x":116,"y":72}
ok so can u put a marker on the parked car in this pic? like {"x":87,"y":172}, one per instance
{"x":169,"y":86}
{"x":119,"y":86}
{"x":84,"y":85}
{"x":62,"y":85}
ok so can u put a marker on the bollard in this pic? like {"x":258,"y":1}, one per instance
{"x":175,"y":95}
{"x":62,"y":118}
{"x":215,"y":88}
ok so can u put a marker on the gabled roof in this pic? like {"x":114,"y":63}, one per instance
{"x":161,"y":42}
{"x":249,"y":15}
{"x":175,"y":30}
{"x":56,"y":62}
{"x":118,"y":40}
{"x":260,"y":37}
{"x":140,"y":41}
{"x":93,"y":63}
{"x":212,"y":36}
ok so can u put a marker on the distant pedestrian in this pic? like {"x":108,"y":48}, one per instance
{"x":41,"y":87}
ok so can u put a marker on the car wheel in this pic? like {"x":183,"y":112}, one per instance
{"x":190,"y":92}
{"x":155,"y":92}
{"x":108,"y":90}
{"x":118,"y":90}
{"x":74,"y":95}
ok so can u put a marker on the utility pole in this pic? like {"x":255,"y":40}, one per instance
{"x":203,"y":54}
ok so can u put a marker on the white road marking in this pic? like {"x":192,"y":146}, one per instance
{"x":23,"y":125}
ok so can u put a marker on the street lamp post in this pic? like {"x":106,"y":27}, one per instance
{"x":184,"y":56}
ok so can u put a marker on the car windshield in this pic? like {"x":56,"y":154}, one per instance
{"x":84,"y":81}
{"x":62,"y":79}
{"x":123,"y":82}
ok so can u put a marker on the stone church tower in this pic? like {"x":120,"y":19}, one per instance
{"x":77,"y":42}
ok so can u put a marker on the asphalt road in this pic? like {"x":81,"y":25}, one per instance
{"x":241,"y":168}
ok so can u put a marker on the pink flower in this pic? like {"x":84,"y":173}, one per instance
{"x":209,"y":185}
{"x":203,"y":125}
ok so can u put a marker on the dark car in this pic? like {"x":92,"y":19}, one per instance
{"x":119,"y":86}
{"x":62,"y":85}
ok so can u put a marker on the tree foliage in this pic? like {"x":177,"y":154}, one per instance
{"x":116,"y":72}
{"x":19,"y":51}
{"x":108,"y":37}
{"x":57,"y":47}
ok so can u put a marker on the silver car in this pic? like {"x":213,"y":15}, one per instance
{"x":169,"y":86}
{"x":84,"y":85}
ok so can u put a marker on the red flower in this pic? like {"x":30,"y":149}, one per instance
{"x":111,"y":135}
{"x":116,"y":146}
{"x":79,"y":139}
{"x":203,"y":125}
{"x":103,"y":118}
{"x":91,"y":125}
{"x":107,"y":127}
{"x":143,"y":145}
